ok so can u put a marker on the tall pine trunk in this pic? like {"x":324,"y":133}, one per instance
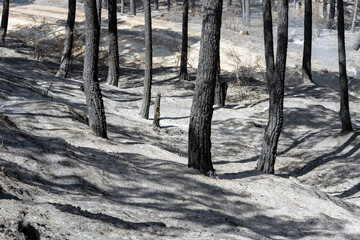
{"x":306,"y":63}
{"x":268,"y":152}
{"x":94,"y":102}
{"x":268,"y":41}
{"x":184,"y":42}
{"x":113,"y":72}
{"x":133,"y":7}
{"x":68,"y":42}
{"x":354,"y":16}
{"x":4,"y":21}
{"x":148,"y":61}
{"x":199,"y":149}
{"x":344,"y":95}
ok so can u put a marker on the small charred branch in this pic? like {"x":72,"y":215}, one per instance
{"x":157,"y":111}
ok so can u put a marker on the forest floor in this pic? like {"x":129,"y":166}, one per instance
{"x":59,"y":181}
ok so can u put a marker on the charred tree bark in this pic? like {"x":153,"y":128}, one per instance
{"x":354,"y":17}
{"x":113,"y":72}
{"x":268,"y":41}
{"x":94,"y":102}
{"x":331,"y":14}
{"x":199,"y":148}
{"x":148,"y":61}
{"x":268,"y":152}
{"x":157,"y":111}
{"x":99,"y":7}
{"x":344,"y":94}
{"x":184,"y":42}
{"x":4,"y":21}
{"x":133,"y":7}
{"x":306,"y":63}
{"x":69,"y":39}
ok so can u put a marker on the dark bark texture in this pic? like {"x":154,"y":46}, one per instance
{"x":268,"y":40}
{"x":94,"y":102}
{"x":148,"y":61}
{"x":113,"y":72}
{"x":306,"y":63}
{"x":99,"y":7}
{"x":68,"y":42}
{"x":268,"y":152}
{"x":4,"y":21}
{"x":331,"y":14}
{"x":199,"y":148}
{"x":344,"y":94}
{"x":184,"y":42}
{"x":133,"y":7}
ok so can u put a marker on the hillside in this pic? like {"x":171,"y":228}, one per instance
{"x":59,"y":181}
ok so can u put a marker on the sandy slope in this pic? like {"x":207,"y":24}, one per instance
{"x":59,"y":181}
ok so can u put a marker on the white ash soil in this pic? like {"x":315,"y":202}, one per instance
{"x":59,"y":181}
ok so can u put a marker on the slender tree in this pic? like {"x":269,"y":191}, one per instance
{"x":268,"y":152}
{"x":184,"y":42}
{"x":354,"y":16}
{"x":331,"y":14}
{"x":168,"y":5}
{"x":113,"y":73}
{"x":199,"y":149}
{"x":122,"y":6}
{"x":148,"y":61}
{"x":344,"y":95}
{"x":325,"y":10}
{"x":306,"y":63}
{"x":68,"y":42}
{"x":99,"y":7}
{"x":4,"y":21}
{"x":133,"y":7}
{"x":94,"y":102}
{"x":268,"y":40}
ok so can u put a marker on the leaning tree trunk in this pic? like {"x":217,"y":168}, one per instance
{"x":113,"y":73}
{"x":94,"y":102}
{"x":268,"y":41}
{"x":268,"y":152}
{"x":184,"y":42}
{"x":4,"y":21}
{"x":344,"y":95}
{"x":199,"y":149}
{"x":354,"y":17}
{"x":133,"y":7}
{"x":306,"y":63}
{"x":148,"y":61}
{"x":69,"y":39}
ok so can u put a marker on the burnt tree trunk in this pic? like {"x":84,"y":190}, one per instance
{"x":344,"y":95}
{"x":184,"y":42}
{"x":306,"y":61}
{"x":94,"y":102}
{"x":199,"y":148}
{"x":156,"y":5}
{"x":99,"y":7}
{"x":148,"y":61}
{"x":331,"y":14}
{"x":133,"y":7}
{"x":268,"y":152}
{"x":268,"y":41}
{"x":4,"y":21}
{"x":113,"y":72}
{"x":68,"y":42}
{"x":157,"y":111}
{"x":354,"y":17}
{"x":168,"y":5}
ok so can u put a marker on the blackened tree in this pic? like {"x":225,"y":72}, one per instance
{"x":268,"y":152}
{"x":133,"y":7}
{"x":99,"y":8}
{"x":306,"y":61}
{"x":344,"y":95}
{"x":113,"y":72}
{"x":68,"y":42}
{"x":184,"y":42}
{"x":199,"y":148}
{"x":4,"y":21}
{"x":148,"y":61}
{"x":94,"y":102}
{"x":331,"y":14}
{"x":268,"y":40}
